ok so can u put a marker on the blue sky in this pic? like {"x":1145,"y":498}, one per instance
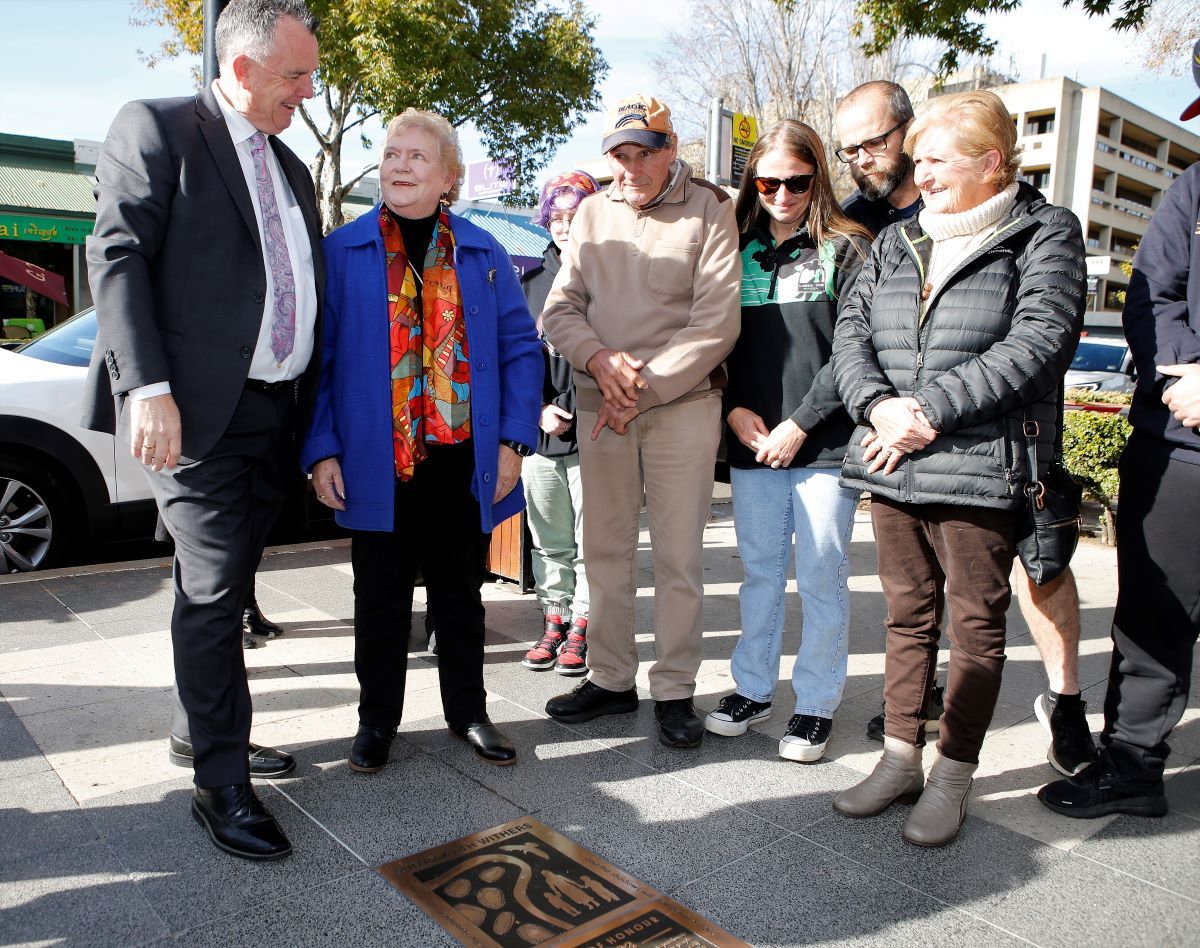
{"x":66,"y":66}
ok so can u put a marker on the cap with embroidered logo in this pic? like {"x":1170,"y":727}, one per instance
{"x":638,"y":120}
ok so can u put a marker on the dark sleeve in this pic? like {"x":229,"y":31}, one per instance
{"x":1155,"y":317}
{"x":136,"y":179}
{"x":521,"y":366}
{"x":859,"y":378}
{"x":822,"y":399}
{"x":1033,"y":358}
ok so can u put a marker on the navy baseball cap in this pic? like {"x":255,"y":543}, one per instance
{"x":1194,"y":109}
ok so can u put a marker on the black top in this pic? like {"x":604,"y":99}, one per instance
{"x":416,"y":233}
{"x":878,"y":214}
{"x":558,"y":385}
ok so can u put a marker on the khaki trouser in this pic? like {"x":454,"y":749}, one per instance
{"x":670,"y":452}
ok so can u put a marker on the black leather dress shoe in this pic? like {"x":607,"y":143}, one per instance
{"x":255,"y":622}
{"x":266,"y":763}
{"x":487,"y":741}
{"x":369,"y":752}
{"x":678,"y":723}
{"x":589,"y":701}
{"x":237,"y":823}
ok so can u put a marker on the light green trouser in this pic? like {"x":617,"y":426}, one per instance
{"x":554,"y":511}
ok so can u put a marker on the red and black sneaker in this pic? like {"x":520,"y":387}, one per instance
{"x":572,"y":657}
{"x":541,"y":657}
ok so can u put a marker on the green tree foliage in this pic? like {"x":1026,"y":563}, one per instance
{"x":952,"y":23}
{"x":525,"y":74}
{"x":1092,"y":446}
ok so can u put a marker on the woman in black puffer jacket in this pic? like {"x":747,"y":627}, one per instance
{"x":959,"y":329}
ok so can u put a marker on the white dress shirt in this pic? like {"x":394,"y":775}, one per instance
{"x":263,"y":365}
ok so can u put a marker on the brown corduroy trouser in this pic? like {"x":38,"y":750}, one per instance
{"x":934,"y":557}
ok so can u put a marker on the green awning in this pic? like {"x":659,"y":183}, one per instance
{"x":43,"y":186}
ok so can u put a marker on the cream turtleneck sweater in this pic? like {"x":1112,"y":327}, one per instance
{"x":957,"y":235}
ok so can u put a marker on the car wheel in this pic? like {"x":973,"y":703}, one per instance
{"x":34,"y":517}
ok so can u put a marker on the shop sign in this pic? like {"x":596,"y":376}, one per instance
{"x":46,"y":230}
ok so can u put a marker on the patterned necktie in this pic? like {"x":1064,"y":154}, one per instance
{"x":283,"y":314}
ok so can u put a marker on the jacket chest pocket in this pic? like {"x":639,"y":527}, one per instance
{"x":672,"y":269}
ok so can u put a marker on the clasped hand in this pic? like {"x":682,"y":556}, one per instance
{"x":899,"y":427}
{"x":1183,"y":398}
{"x":775,"y":448}
{"x":620,"y":380}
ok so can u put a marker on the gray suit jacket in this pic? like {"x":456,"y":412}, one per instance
{"x":176,"y":267}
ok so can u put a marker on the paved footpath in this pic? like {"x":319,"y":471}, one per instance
{"x":97,"y":845}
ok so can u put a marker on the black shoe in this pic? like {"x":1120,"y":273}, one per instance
{"x":805,"y":738}
{"x":933,"y":715}
{"x":266,"y":763}
{"x":487,"y":741}
{"x":238,"y":823}
{"x":678,"y":723}
{"x":248,"y":640}
{"x":369,"y":752}
{"x":1064,"y":718}
{"x":734,"y":715}
{"x":256,"y":623}
{"x":589,"y":701}
{"x":1097,"y":791}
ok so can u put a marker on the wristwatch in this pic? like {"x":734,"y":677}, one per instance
{"x":522,"y":449}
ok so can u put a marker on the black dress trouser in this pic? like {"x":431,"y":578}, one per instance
{"x":219,"y":511}
{"x":436,"y":530}
{"x":1158,"y":610}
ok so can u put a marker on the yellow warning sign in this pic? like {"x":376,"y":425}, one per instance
{"x":744,"y":135}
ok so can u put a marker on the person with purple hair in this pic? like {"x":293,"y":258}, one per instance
{"x":553,"y":488}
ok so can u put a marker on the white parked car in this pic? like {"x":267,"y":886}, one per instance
{"x":1101,"y":365}
{"x":60,"y":484}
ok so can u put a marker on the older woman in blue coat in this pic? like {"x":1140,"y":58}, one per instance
{"x":429,"y":397}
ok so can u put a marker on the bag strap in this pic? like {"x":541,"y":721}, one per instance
{"x":1035,"y":490}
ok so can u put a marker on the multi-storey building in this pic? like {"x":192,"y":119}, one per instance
{"x":1105,"y":158}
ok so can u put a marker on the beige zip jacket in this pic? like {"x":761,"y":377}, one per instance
{"x":662,"y":284}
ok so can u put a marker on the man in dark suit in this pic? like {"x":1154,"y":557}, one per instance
{"x":206,"y":270}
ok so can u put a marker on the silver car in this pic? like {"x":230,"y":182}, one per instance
{"x":1101,"y":365}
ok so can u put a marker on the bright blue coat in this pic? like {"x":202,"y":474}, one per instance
{"x":352,"y":418}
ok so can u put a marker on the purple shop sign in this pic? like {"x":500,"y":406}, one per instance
{"x":487,"y":179}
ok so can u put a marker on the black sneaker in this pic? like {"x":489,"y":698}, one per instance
{"x":589,"y":701}
{"x":1098,"y":791}
{"x":933,"y":715}
{"x":1065,"y":722}
{"x":678,"y":723}
{"x":735,"y":714}
{"x":806,"y":738}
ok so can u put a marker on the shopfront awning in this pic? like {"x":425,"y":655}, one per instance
{"x":34,"y":277}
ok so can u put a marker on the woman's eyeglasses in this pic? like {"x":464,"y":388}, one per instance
{"x":796,"y":184}
{"x":871,"y":146}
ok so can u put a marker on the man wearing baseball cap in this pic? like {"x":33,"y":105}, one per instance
{"x":646,"y":307}
{"x":1157,"y":618}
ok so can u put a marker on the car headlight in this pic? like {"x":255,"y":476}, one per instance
{"x":1087,"y":386}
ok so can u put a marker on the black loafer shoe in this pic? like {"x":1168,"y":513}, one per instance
{"x":255,"y":622}
{"x":1097,"y":791}
{"x":266,"y":763}
{"x":369,"y":752}
{"x":248,"y":640}
{"x":237,"y":823}
{"x":678,"y":723}
{"x":488,"y":743}
{"x":589,"y":701}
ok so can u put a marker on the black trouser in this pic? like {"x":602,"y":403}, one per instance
{"x":1158,"y":610}
{"x":437,"y":531}
{"x":219,"y":511}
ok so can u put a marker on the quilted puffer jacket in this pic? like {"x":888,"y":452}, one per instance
{"x":987,"y":351}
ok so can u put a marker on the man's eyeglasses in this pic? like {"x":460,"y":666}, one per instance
{"x":871,"y":146}
{"x":796,"y":184}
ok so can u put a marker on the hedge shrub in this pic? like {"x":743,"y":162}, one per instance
{"x":1092,"y":446}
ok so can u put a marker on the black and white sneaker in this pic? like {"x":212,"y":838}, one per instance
{"x":735,"y":714}
{"x":806,"y":738}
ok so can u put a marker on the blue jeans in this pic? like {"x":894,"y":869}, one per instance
{"x":769,"y":508}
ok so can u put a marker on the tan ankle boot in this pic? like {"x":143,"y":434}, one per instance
{"x":896,"y":778}
{"x":939,"y":813}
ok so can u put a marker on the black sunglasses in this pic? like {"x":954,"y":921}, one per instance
{"x":796,"y":184}
{"x":871,"y":145}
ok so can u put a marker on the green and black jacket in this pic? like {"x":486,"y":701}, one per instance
{"x":779,"y":367}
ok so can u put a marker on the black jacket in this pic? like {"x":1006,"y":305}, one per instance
{"x":558,"y":386}
{"x":1162,"y":315}
{"x":988,"y":350}
{"x":779,"y":367}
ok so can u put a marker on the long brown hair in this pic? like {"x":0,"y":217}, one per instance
{"x":825,"y":217}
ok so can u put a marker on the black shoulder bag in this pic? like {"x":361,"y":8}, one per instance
{"x":1051,"y":528}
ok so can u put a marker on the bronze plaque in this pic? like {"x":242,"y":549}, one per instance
{"x":523,"y":884}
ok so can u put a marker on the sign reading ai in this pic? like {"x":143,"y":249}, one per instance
{"x":487,"y":179}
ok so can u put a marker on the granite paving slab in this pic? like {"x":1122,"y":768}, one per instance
{"x":37,"y":815}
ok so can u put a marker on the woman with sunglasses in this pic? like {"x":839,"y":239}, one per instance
{"x":787,"y":435}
